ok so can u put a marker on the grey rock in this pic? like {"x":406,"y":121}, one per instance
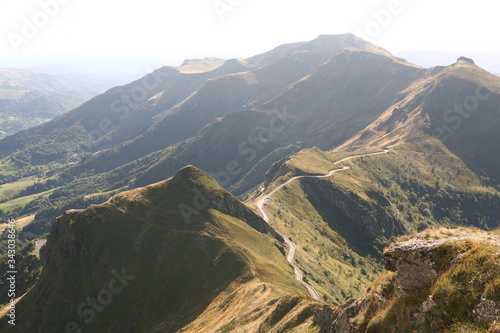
{"x":413,"y":261}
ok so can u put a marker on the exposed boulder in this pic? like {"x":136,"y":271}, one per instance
{"x":437,"y":280}
{"x":414,"y":262}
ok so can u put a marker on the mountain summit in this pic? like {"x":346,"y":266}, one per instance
{"x":136,"y":263}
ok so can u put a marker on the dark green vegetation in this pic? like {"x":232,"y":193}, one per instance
{"x":29,"y":268}
{"x":294,"y":110}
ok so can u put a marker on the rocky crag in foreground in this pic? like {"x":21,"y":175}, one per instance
{"x":440,"y":280}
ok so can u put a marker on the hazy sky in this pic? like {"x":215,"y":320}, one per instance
{"x":236,"y":28}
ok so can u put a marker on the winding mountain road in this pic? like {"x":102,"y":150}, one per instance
{"x":38,"y":245}
{"x":291,"y":253}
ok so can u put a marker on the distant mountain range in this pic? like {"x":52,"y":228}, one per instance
{"x":132,"y":158}
{"x":487,"y":60}
{"x":235,"y":119}
{"x":33,"y":94}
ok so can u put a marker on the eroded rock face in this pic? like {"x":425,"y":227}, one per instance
{"x":422,"y":315}
{"x":366,"y":216}
{"x":414,"y":262}
{"x":404,"y":301}
{"x":277,"y":170}
{"x":337,"y":319}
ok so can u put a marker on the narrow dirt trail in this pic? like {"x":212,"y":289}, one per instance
{"x":291,"y":246}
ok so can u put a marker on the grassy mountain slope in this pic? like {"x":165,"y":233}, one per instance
{"x":348,"y":94}
{"x":457,"y":105}
{"x":124,"y":112}
{"x":308,"y":112}
{"x":470,"y":131}
{"x":336,"y":265}
{"x":264,"y":136}
{"x":338,"y":94}
{"x":206,"y":262}
{"x":175,"y":268}
{"x":427,"y":180}
{"x":97,"y":122}
{"x":440,"y":280}
{"x":266,"y":77}
{"x":341,"y":224}
{"x":30,"y":95}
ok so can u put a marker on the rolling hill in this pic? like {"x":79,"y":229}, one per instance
{"x":28,"y":98}
{"x":33,"y":94}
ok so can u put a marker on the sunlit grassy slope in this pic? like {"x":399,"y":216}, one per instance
{"x":341,"y":223}
{"x":467,"y":261}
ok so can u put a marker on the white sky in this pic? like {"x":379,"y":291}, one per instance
{"x":193,"y":28}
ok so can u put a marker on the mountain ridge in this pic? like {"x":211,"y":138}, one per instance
{"x":243,"y":122}
{"x":231,"y":251}
{"x":205,"y":259}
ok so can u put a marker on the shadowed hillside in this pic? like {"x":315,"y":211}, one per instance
{"x":140,"y":247}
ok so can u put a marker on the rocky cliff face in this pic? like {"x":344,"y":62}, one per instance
{"x":439,"y":280}
{"x":277,"y":170}
{"x":372,"y":219}
{"x":414,"y":262}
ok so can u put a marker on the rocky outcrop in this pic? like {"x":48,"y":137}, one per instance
{"x":339,"y":319}
{"x":438,"y":275}
{"x":229,"y":205}
{"x":414,"y":262}
{"x":422,"y":316}
{"x":487,"y":311}
{"x":374,"y":220}
{"x":277,"y":170}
